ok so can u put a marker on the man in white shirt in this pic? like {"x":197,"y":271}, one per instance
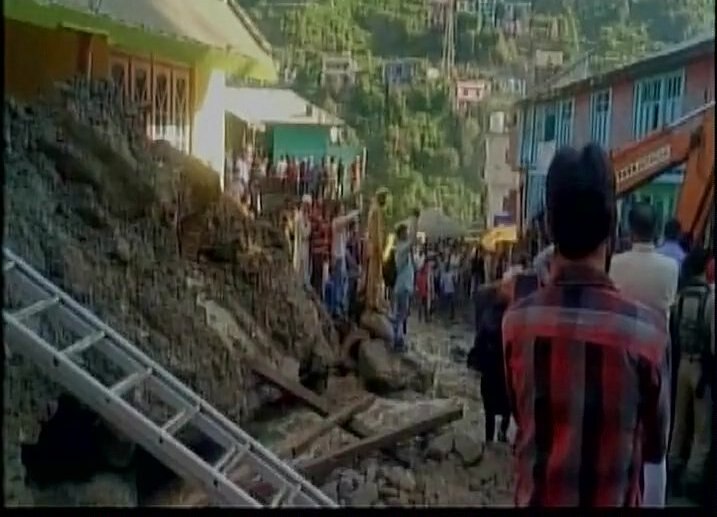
{"x":651,"y":278}
{"x":642,"y":272}
{"x":339,"y":237}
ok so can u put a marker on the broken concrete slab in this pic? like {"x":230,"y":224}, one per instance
{"x":469,"y":448}
{"x":440,"y":446}
{"x":366,"y":495}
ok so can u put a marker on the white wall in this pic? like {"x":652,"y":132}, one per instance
{"x":208,"y":127}
{"x":498,"y":175}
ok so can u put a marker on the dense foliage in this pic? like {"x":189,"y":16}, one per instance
{"x":417,"y":146}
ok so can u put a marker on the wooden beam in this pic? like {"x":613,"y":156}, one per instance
{"x":308,"y":397}
{"x":289,"y":448}
{"x":317,"y":468}
{"x":294,"y":446}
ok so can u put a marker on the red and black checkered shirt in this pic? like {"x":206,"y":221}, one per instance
{"x":588,"y":379}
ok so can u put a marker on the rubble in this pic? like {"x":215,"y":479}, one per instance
{"x":141,"y":234}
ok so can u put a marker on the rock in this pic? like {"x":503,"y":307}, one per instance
{"x":371,"y":469}
{"x":440,"y":446}
{"x":378,"y":325}
{"x":123,"y":250}
{"x":401,"y":478}
{"x":468,"y":448}
{"x":366,"y":495}
{"x":331,"y":489}
{"x":348,"y":482}
{"x":379,"y":368}
{"x":388,"y":491}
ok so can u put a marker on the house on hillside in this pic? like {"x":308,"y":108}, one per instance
{"x":173,"y":61}
{"x":614,"y":109}
{"x":468,"y":93}
{"x":339,"y":69}
{"x":401,"y":71}
{"x":282,"y":123}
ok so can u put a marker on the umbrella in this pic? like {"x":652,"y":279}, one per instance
{"x":499,"y":234}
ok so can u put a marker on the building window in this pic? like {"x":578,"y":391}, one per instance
{"x":528,"y":146}
{"x":549,"y":125}
{"x":564,"y":132}
{"x":674,"y":89}
{"x":600,"y":118}
{"x":161,"y":92}
{"x":658,"y":101}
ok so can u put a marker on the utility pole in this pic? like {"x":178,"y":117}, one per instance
{"x":449,"y":38}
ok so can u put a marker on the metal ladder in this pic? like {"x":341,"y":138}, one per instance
{"x":66,"y":366}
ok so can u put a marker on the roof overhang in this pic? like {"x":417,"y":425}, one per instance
{"x":255,"y":64}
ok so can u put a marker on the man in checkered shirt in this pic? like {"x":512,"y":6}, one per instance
{"x":586,"y":366}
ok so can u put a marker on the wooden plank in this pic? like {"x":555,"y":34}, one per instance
{"x":317,"y":468}
{"x":311,"y":399}
{"x":288,"y":448}
{"x":294,"y":446}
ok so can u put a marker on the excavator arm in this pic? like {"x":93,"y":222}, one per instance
{"x":689,"y":140}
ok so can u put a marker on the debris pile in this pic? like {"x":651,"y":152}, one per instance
{"x":142,"y":235}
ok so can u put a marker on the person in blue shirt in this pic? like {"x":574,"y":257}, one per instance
{"x":671,"y":245}
{"x":405,"y":273}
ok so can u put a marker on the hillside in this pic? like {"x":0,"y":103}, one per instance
{"x":416,"y":145}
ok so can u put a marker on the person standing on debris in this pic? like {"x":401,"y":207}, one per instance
{"x":671,"y":245}
{"x":487,"y":358}
{"x":302,"y":234}
{"x":692,"y":323}
{"x":339,"y":238}
{"x":642,"y":272}
{"x":448,"y":290}
{"x":587,"y":367}
{"x":376,"y":242}
{"x":403,"y":286}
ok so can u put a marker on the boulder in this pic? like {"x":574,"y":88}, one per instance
{"x":379,"y":369}
{"x":378,"y":325}
{"x":468,"y":448}
{"x":366,"y":495}
{"x":440,"y":447}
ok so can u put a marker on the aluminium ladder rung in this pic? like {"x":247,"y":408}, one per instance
{"x":178,"y":421}
{"x":132,"y":380}
{"x":231,"y":459}
{"x":36,"y":308}
{"x":83,"y":344}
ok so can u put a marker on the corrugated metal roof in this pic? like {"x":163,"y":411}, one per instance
{"x":209,"y":22}
{"x":261,"y":106}
{"x":700,"y":44}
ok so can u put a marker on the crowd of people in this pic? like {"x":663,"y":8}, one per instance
{"x":605,"y":360}
{"x":249,"y":174}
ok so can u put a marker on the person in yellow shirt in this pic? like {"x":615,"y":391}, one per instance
{"x":375,"y":299}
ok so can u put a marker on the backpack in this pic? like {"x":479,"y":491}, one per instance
{"x":693,"y":334}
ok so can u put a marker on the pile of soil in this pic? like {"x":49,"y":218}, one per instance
{"x":142,"y":235}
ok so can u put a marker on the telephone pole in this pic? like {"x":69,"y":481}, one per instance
{"x":449,"y":38}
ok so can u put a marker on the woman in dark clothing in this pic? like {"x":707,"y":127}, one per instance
{"x":487,"y":357}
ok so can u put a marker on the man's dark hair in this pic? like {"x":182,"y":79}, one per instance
{"x":643,"y":222}
{"x":673,"y":230}
{"x":580,"y":201}
{"x":695,"y":263}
